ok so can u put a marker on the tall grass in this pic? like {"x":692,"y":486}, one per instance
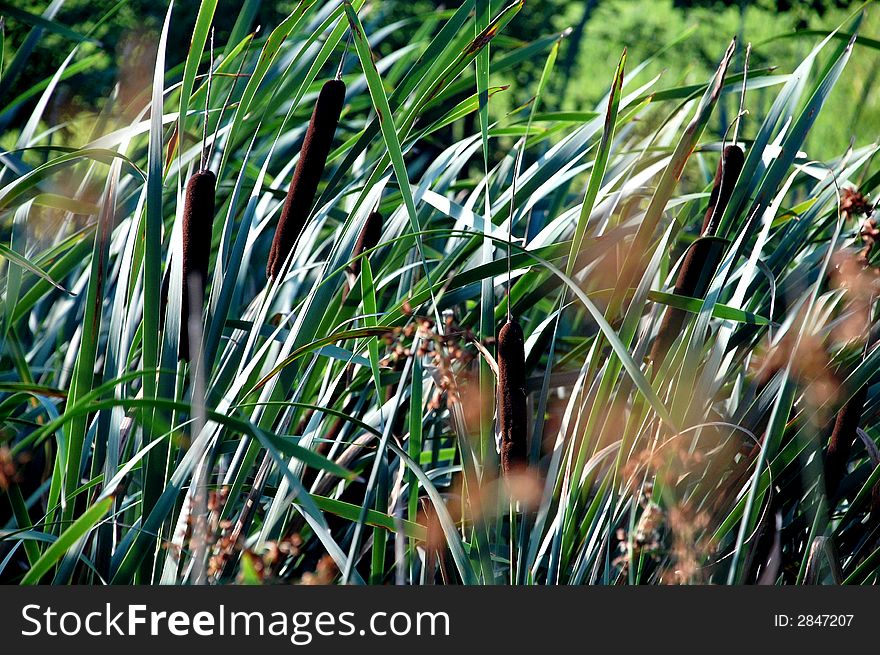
{"x":337,"y":422}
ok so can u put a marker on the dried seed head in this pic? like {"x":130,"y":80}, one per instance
{"x":198,"y":221}
{"x":512,"y":418}
{"x":729,"y":168}
{"x":307,"y":174}
{"x":854,"y":203}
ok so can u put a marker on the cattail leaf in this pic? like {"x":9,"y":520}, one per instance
{"x":861,"y":40}
{"x":617,"y":346}
{"x":453,"y":539}
{"x":694,"y":305}
{"x":204,"y":17}
{"x":563,"y":116}
{"x":267,"y":56}
{"x":67,"y":539}
{"x":386,"y":122}
{"x":88,"y":346}
{"x":348,"y":511}
{"x":370,"y":321}
{"x":759,"y":78}
{"x":670,"y":178}
{"x":133,"y":551}
{"x":64,"y":262}
{"x":424,"y":92}
{"x":23,"y":524}
{"x":482,"y":11}
{"x":795,"y":136}
{"x":31,"y":179}
{"x":21,"y":261}
{"x":599,"y":164}
{"x":781,"y":111}
{"x":459,"y":111}
{"x":26,"y":135}
{"x":437,"y":51}
{"x":153,"y":472}
{"x":372,"y":331}
{"x":235,"y":423}
{"x":72,"y":205}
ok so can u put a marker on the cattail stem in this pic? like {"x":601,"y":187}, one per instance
{"x":845,"y":430}
{"x":342,"y":57}
{"x":307,"y":175}
{"x":703,"y":257}
{"x":232,"y":86}
{"x":843,"y":435}
{"x":512,"y":415}
{"x":203,"y":162}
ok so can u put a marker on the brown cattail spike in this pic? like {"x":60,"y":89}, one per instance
{"x":367,"y":239}
{"x":703,"y":257}
{"x":307,"y":175}
{"x":729,"y":168}
{"x":512,"y":418}
{"x":198,"y":220}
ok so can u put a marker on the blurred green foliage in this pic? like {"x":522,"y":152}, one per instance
{"x":599,"y":30}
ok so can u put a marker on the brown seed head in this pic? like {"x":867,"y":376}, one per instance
{"x":198,"y":221}
{"x":729,"y":168}
{"x":512,"y":416}
{"x":368,"y":238}
{"x":370,"y":235}
{"x":703,"y":257}
{"x":307,"y":174}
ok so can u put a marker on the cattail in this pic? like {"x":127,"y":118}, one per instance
{"x":512,"y":417}
{"x":369,"y":238}
{"x":703,"y":257}
{"x":198,"y":220}
{"x":729,"y":168}
{"x":309,"y":168}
